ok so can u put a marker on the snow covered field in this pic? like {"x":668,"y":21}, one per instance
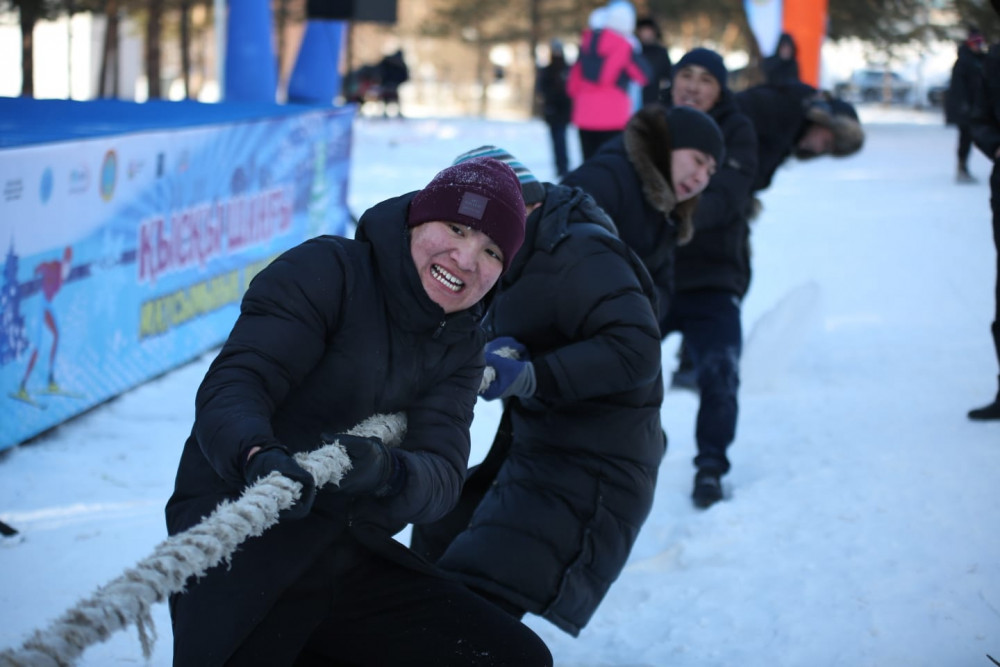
{"x":862,"y":523}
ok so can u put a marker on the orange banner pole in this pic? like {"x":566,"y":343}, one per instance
{"x":805,"y":20}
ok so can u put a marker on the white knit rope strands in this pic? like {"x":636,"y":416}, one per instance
{"x":128,"y":598}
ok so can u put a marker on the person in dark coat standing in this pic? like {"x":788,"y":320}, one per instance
{"x":985,"y":129}
{"x":966,"y":75}
{"x":713,"y":271}
{"x":556,"y":104}
{"x":649,"y":181}
{"x":332,"y":332}
{"x":393,"y":73}
{"x":657,"y":58}
{"x":547,"y":522}
{"x":782,"y":66}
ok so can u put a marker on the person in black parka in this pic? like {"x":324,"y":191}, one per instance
{"x":633,"y":178}
{"x":797,"y":120}
{"x":713,"y":271}
{"x":782,"y":66}
{"x":966,"y":74}
{"x":556,"y":103}
{"x":332,"y":332}
{"x":647,"y":30}
{"x":547,"y":522}
{"x":985,"y":130}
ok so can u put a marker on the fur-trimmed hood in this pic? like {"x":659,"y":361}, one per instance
{"x":841,"y":118}
{"x":648,"y":147}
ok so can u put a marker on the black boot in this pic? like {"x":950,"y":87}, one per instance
{"x":989,"y":412}
{"x":707,"y":489}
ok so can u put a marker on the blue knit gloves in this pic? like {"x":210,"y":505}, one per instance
{"x":508,"y":370}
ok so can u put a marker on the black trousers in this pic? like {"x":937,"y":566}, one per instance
{"x":995,"y":206}
{"x":964,"y":144}
{"x":354,"y":607}
{"x":710,"y":322}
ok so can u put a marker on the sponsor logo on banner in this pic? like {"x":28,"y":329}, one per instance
{"x":45,"y":187}
{"x":79,"y":179}
{"x":109,"y":173}
{"x":13,"y":188}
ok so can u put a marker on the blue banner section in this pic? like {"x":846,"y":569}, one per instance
{"x":316,"y":76}
{"x":126,"y":255}
{"x":251,"y":66}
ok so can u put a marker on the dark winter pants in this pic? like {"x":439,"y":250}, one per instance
{"x":557,"y":131}
{"x":964,"y":145}
{"x":353,"y":608}
{"x":591,"y":140}
{"x":709,"y":320}
{"x":995,"y":205}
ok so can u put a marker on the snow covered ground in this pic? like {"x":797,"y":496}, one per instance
{"x":862,"y":523}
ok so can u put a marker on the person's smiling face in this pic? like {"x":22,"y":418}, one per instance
{"x":694,"y":86}
{"x":457,"y":264}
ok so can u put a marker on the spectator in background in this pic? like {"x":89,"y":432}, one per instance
{"x":332,"y":332}
{"x":547,"y":521}
{"x":782,"y":66}
{"x":966,"y":74}
{"x":601,"y":79}
{"x":984,"y":126}
{"x":556,"y":104}
{"x":657,"y":58}
{"x":712,"y":273}
{"x":393,"y":73}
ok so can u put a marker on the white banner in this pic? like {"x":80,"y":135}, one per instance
{"x":765,"y":18}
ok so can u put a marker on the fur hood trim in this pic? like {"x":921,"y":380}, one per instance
{"x":848,"y":135}
{"x":648,"y":147}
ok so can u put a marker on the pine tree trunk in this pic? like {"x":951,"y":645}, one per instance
{"x":185,"y":10}
{"x":153,"y":49}
{"x":28,"y":16}
{"x":108,"y":77}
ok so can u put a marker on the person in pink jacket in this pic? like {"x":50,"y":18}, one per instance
{"x":599,"y":80}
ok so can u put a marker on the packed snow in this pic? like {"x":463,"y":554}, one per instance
{"x":861,"y":521}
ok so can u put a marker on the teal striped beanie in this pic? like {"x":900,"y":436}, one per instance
{"x":531,"y":189}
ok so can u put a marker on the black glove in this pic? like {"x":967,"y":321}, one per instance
{"x":375,"y":469}
{"x":277,"y":458}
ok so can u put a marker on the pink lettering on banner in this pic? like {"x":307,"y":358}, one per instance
{"x":193,"y":237}
{"x":255,"y":219}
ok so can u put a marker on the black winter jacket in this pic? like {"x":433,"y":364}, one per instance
{"x":718,"y":256}
{"x":629,"y":177}
{"x":556,"y":527}
{"x":966,"y":74}
{"x":778,"y":114}
{"x":330,"y":333}
{"x":984,"y":117}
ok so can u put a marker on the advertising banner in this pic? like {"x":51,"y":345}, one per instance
{"x":125,"y":256}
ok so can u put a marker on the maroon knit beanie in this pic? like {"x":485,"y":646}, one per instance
{"x":482,"y":193}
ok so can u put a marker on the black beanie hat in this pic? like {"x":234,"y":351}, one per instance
{"x":708,"y":59}
{"x":690,"y":128}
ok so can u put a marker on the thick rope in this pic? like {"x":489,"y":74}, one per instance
{"x":128,"y":598}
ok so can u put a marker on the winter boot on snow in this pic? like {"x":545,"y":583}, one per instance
{"x":963,"y":175}
{"x":989,"y":412}
{"x":707,"y":489}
